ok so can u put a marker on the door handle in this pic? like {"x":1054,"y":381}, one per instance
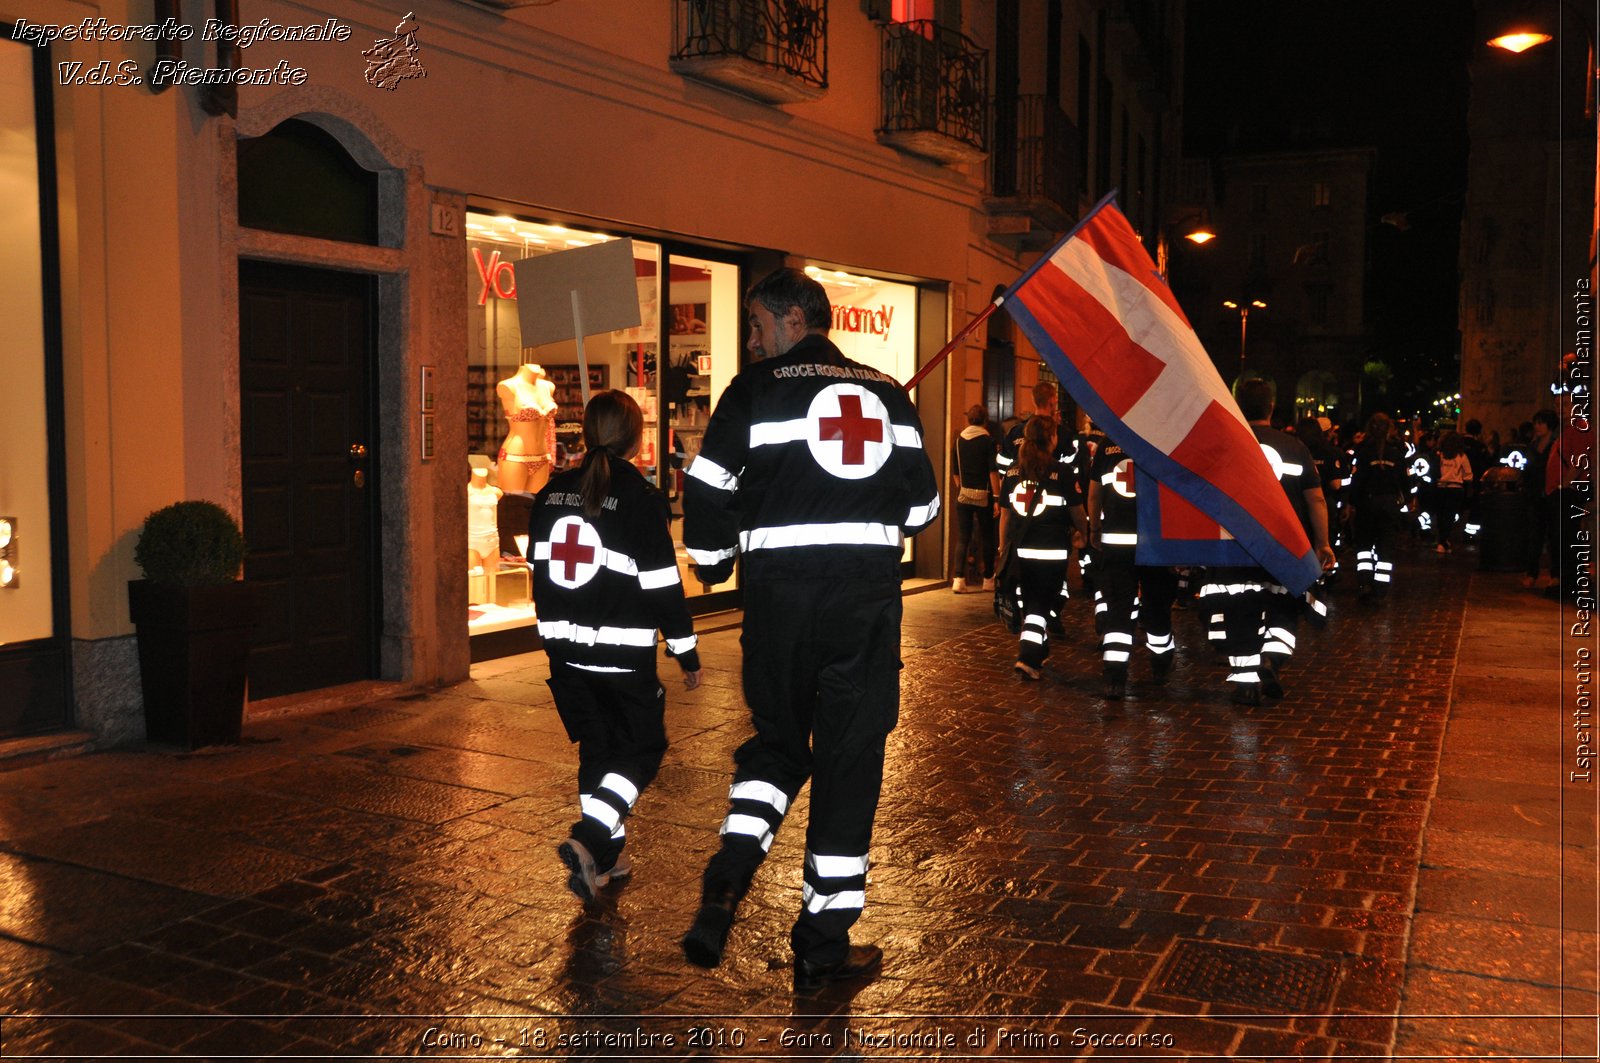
{"x":358,"y":457}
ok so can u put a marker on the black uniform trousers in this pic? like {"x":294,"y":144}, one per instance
{"x":618,"y":721}
{"x":1377,"y":525}
{"x":1040,"y":584}
{"x":822,"y":680}
{"x":1448,"y":504}
{"x":1260,"y":620}
{"x":1134,"y":595}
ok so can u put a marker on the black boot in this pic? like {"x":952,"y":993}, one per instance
{"x":1271,"y":685}
{"x":860,"y":961}
{"x":1114,"y":681}
{"x":1161,"y":668}
{"x":708,"y":935}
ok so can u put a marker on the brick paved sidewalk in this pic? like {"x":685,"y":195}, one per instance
{"x":1184,"y":875}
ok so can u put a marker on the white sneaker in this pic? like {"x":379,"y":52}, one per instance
{"x":958,"y":585}
{"x":988,"y":584}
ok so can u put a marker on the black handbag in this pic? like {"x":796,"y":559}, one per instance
{"x":1006,"y":607}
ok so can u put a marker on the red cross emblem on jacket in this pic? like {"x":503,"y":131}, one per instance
{"x":574,"y":552}
{"x":853,"y":436}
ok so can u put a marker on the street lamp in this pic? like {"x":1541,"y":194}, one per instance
{"x":1532,"y":32}
{"x":1193,"y":225}
{"x":1244,"y":321}
{"x":1519,"y":42}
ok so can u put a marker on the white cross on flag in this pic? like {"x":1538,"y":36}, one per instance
{"x":1101,"y":316}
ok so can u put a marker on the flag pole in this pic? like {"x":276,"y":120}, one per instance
{"x":955,"y":341}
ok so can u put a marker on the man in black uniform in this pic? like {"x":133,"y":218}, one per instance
{"x":1125,"y":592}
{"x":1260,"y":616}
{"x":813,"y":468}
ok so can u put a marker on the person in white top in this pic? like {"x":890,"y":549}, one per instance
{"x":1450,"y":499}
{"x":528,"y":453}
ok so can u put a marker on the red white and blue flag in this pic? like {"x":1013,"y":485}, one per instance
{"x":1099,"y":313}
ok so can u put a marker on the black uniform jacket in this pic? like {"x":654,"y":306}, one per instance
{"x":812,"y":467}
{"x":603,"y":586}
{"x":1047,"y":533}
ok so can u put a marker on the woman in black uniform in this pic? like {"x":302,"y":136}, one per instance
{"x":1041,"y":503}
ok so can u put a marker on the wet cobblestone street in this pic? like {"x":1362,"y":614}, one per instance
{"x":1053,"y":874}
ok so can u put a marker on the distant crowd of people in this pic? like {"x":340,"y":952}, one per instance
{"x":1030,"y":497}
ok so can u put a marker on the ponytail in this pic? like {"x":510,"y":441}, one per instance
{"x":595,"y":482}
{"x":1034,"y":455}
{"x":612,"y":426}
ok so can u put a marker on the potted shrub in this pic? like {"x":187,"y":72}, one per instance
{"x":195,"y":618}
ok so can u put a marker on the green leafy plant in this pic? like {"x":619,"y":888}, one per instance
{"x":190,"y":544}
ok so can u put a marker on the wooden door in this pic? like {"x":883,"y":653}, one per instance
{"x":306,"y":339}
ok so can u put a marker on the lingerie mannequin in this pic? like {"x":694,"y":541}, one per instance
{"x":483,"y":526}
{"x":483,"y":535}
{"x":529,"y":401}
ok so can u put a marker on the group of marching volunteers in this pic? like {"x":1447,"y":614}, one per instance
{"x":811,"y":476}
{"x":1052,"y":495}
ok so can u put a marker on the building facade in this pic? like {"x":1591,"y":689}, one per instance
{"x":1528,"y":226}
{"x":298,"y":295}
{"x":1290,"y":255}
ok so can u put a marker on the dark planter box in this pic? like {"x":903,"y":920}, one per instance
{"x":1507,"y":520}
{"x":194,"y":643}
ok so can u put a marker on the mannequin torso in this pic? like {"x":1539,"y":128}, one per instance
{"x":528,"y":399}
{"x":483,"y":526}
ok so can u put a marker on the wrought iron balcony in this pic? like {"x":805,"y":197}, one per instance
{"x":773,"y":50}
{"x":1033,"y":172}
{"x":935,"y":92}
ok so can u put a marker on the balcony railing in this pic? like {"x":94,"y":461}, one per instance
{"x":1036,"y":148}
{"x":1033,"y":171}
{"x":773,"y":50}
{"x":935,"y":92}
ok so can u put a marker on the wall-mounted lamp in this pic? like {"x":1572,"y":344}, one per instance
{"x":8,"y":554}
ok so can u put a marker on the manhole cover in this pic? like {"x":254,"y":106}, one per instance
{"x":1229,"y":974}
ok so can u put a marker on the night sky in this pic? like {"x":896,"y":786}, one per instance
{"x":1271,"y":76}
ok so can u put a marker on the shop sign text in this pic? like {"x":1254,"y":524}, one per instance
{"x":863,"y":319}
{"x":497,"y":276}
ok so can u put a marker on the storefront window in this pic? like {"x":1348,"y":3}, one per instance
{"x":525,"y":404}
{"x":26,"y":605}
{"x":874,"y":321}
{"x":703,"y":357}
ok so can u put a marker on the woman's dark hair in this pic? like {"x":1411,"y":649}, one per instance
{"x":1035,"y":454}
{"x":783,"y":288}
{"x":612,"y":425}
{"x":1450,"y":446}
{"x":1379,"y":427}
{"x":977,"y":415}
